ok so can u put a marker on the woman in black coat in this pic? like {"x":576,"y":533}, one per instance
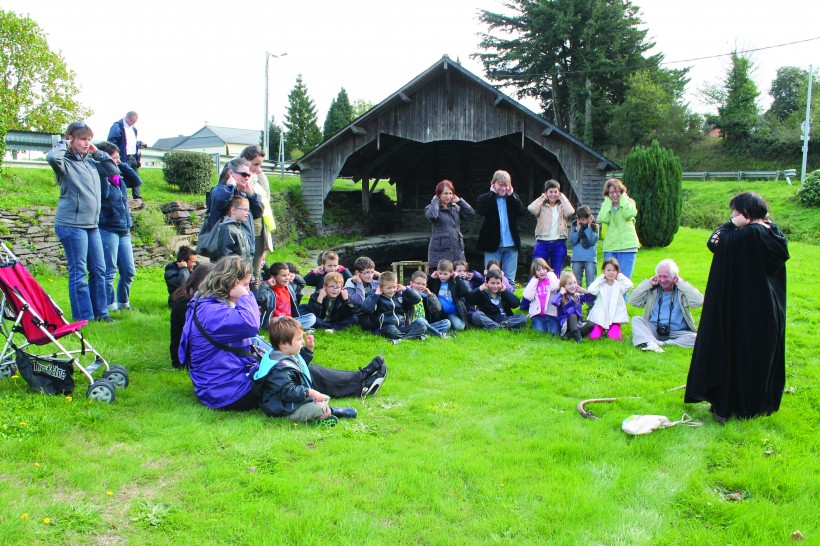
{"x":445,"y":212}
{"x":739,"y":361}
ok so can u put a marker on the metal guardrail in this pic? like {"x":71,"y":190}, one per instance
{"x":788,"y":174}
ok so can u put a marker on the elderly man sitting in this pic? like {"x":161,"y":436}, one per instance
{"x":667,"y":301}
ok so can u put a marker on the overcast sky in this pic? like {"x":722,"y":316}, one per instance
{"x":181,"y":63}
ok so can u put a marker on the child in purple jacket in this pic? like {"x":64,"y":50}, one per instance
{"x":569,"y":300}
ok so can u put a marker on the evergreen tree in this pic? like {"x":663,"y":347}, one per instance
{"x":739,"y":113}
{"x":653,"y":176}
{"x":274,"y":134}
{"x":573,"y":56}
{"x":339,"y":115}
{"x":302,"y":130}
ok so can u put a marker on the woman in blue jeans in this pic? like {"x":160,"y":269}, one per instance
{"x":75,"y":223}
{"x":115,"y":229}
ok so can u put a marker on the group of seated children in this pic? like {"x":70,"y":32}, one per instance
{"x":444,"y":302}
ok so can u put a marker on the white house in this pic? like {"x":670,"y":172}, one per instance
{"x":213,"y":140}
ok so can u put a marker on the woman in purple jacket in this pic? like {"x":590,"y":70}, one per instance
{"x":224,"y":314}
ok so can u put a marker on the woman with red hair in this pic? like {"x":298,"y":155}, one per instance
{"x":445,"y":212}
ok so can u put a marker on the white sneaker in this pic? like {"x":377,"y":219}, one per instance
{"x":652,"y":346}
{"x":112,"y":308}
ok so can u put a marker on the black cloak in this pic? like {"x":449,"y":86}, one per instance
{"x":739,"y":363}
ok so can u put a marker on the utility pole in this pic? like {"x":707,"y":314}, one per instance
{"x":266,"y":126}
{"x":806,"y":129}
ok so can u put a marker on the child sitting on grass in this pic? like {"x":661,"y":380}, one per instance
{"x":538,"y":292}
{"x":295,"y":281}
{"x":277,"y":299}
{"x":569,"y":300}
{"x":329,"y":263}
{"x":331,"y":305}
{"x":292,"y":387}
{"x":451,"y":292}
{"x":609,"y":309}
{"x":233,"y":240}
{"x":363,"y":283}
{"x":390,"y":307}
{"x":494,"y":305}
{"x":429,"y":308}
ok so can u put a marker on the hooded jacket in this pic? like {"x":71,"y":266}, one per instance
{"x":282,"y":382}
{"x":220,"y":377}
{"x":393,"y":311}
{"x":81,"y":188}
{"x":115,"y":215}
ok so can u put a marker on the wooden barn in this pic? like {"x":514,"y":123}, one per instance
{"x":449,"y":123}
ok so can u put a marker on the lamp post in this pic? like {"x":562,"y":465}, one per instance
{"x":266,"y":126}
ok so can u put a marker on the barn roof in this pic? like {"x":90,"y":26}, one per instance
{"x":402,"y":96}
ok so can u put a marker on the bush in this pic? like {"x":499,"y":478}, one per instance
{"x":150,"y":227}
{"x":653,"y":176}
{"x":191,"y":172}
{"x":809,"y":192}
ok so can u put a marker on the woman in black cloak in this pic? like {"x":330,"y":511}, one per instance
{"x":739,"y":363}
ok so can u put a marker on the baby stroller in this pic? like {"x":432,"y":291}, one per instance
{"x":31,"y":316}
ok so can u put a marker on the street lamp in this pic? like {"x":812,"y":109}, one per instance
{"x":266,"y":126}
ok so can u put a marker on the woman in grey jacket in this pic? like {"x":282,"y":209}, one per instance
{"x":75,"y":223}
{"x":445,"y":213}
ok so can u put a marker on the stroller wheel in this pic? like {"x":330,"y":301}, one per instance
{"x":117,"y":375}
{"x":7,"y":368}
{"x":101,"y":390}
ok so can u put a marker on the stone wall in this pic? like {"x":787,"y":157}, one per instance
{"x":29,"y":233}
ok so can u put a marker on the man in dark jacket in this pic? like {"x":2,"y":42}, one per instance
{"x":176,"y":273}
{"x":123,"y":134}
{"x":498,"y":238}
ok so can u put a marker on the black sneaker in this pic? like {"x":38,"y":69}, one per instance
{"x":106,"y":319}
{"x":374,"y":366}
{"x":372,"y":384}
{"x":347,"y":413}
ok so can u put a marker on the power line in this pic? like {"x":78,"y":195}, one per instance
{"x":497,"y":75}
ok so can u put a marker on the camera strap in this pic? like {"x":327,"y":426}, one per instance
{"x":671,"y":306}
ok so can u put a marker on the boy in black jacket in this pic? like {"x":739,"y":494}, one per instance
{"x":329,"y":263}
{"x":176,"y":273}
{"x":429,"y":307}
{"x":451,"y":291}
{"x":494,"y":305}
{"x":331,"y":305}
{"x":391,"y":307}
{"x":291,"y":387}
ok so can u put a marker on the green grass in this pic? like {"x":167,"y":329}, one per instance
{"x":706,"y":205}
{"x":472,"y":440}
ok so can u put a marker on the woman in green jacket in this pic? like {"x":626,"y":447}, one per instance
{"x":618,"y":213}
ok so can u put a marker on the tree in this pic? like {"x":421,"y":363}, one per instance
{"x":339,"y":115}
{"x":274,"y":134}
{"x":574,"y":56}
{"x":653,"y":176}
{"x":649,"y":112}
{"x":360,"y":106}
{"x":739,"y":113}
{"x":38,"y":91}
{"x":790,"y":90}
{"x":302,"y":130}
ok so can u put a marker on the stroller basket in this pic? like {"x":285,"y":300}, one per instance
{"x":31,"y":318}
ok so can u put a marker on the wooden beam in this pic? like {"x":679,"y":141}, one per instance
{"x":602,"y":166}
{"x":358,"y":131}
{"x":498,"y":100}
{"x":548,"y":131}
{"x":365,"y":193}
{"x":405,"y":98}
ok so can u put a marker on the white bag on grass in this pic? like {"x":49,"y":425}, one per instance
{"x":644,"y":424}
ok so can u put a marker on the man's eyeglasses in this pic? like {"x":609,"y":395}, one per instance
{"x":243,"y":208}
{"x":243,"y":175}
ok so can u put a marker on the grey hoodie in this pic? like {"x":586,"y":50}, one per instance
{"x":81,"y":188}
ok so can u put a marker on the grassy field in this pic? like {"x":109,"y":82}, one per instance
{"x":472,"y":440}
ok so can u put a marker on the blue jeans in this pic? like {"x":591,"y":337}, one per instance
{"x":625,"y":259}
{"x":118,"y":256}
{"x":455,"y":320}
{"x":307,"y":320}
{"x":86,"y":271}
{"x":546,"y":323}
{"x":507,"y":256}
{"x":580,"y":268}
{"x":437,"y":328}
{"x":554,"y":252}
